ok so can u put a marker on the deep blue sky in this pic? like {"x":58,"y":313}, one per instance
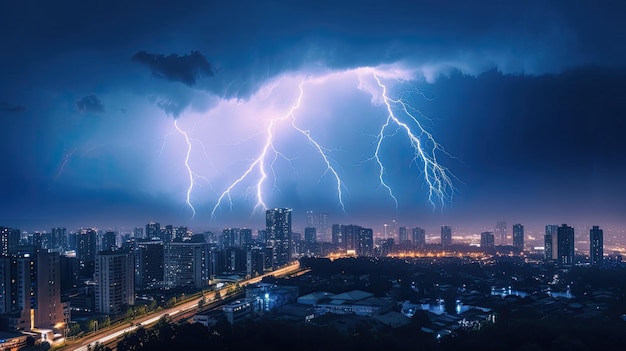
{"x":527,"y":98}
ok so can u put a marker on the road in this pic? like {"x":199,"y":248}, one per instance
{"x":106,"y":336}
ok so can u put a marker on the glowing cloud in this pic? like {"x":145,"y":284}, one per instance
{"x":307,"y":128}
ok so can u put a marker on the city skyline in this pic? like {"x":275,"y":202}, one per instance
{"x":157,"y":117}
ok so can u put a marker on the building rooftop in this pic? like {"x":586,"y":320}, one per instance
{"x":354,"y":295}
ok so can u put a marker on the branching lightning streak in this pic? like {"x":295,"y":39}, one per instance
{"x":260,"y":161}
{"x":436,"y":176}
{"x":189,"y":171}
{"x":66,"y":159}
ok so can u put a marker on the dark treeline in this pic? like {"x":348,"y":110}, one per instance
{"x":517,"y":326}
{"x":523,"y":335}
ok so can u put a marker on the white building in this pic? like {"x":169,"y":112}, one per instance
{"x":114,"y":278}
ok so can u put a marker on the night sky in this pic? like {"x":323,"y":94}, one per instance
{"x":526,"y":102}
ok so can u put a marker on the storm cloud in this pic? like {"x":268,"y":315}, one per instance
{"x":187,"y":69}
{"x":517,"y":101}
{"x":90,"y":104}
{"x":5,"y":107}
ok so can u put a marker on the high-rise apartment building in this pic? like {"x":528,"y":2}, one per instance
{"x":58,"y":239}
{"x":365,"y":242}
{"x":390,"y":230}
{"x":109,"y":241}
{"x":565,"y":244}
{"x":596,"y":245}
{"x":310,"y":234}
{"x":403,"y":235}
{"x":245,"y":236}
{"x":115,"y":282}
{"x":153,"y":230}
{"x":86,"y":248}
{"x":138,"y":233}
{"x":180,"y":233}
{"x":501,"y":232}
{"x":167,"y":234}
{"x":487,"y":240}
{"x":149,"y":266}
{"x":230,"y":237}
{"x":549,"y":242}
{"x":278,"y":235}
{"x":518,"y":236}
{"x":255,"y":261}
{"x":419,"y":236}
{"x":338,"y":235}
{"x":31,"y":288}
{"x":9,"y":240}
{"x":446,"y":235}
{"x":319,"y":221}
{"x":187,"y":263}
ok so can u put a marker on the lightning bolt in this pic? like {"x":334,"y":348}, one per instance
{"x":436,"y":176}
{"x":64,"y":161}
{"x":189,"y":171}
{"x":270,"y":151}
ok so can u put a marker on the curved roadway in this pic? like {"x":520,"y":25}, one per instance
{"x":105,"y":336}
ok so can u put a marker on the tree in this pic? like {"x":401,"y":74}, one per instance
{"x":98,"y":347}
{"x":171,"y":302}
{"x":74,"y":328}
{"x":152,"y":306}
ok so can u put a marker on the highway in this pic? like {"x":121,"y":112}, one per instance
{"x":108,"y":335}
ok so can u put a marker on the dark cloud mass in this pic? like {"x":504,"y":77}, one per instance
{"x":186,"y":69}
{"x":5,"y":107}
{"x":90,"y":104}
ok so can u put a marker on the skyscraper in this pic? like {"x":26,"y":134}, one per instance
{"x":86,"y":248}
{"x":446,"y":235}
{"x":153,"y":230}
{"x":338,"y":235}
{"x":419,"y":236}
{"x":180,"y":233}
{"x":278,"y":227}
{"x":138,"y":233}
{"x":9,"y":240}
{"x":548,"y":242}
{"x":391,"y":230}
{"x":310,"y":234}
{"x":109,"y":241}
{"x":365,"y":242}
{"x":255,"y":261}
{"x":501,"y":232}
{"x":487,"y":240}
{"x":596,"y":245}
{"x":230,"y":237}
{"x":565,"y":244}
{"x":319,"y":221}
{"x":351,"y":235}
{"x":403,"y":235}
{"x":58,"y":239}
{"x":322,"y":229}
{"x":187,"y":264}
{"x":245,"y":236}
{"x":518,"y":236}
{"x":167,"y":234}
{"x":149,"y":255}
